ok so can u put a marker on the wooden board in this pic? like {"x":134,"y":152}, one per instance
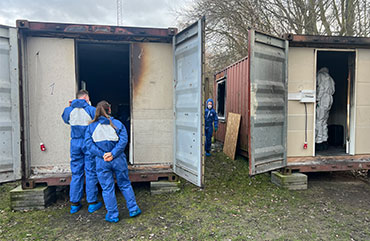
{"x":232,"y":133}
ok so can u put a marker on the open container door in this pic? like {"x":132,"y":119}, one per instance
{"x":188,"y":50}
{"x":268,"y":102}
{"x":10,"y":162}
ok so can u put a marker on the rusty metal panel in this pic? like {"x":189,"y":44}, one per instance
{"x":239,"y":102}
{"x":320,"y":41}
{"x":97,"y":31}
{"x":236,"y":99}
{"x":329,"y":163}
{"x":152,"y":96}
{"x":148,"y":173}
{"x":10,"y":160}
{"x":268,"y":57}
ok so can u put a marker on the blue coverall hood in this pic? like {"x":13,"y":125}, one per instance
{"x":78,"y":115}
{"x":79,"y":103}
{"x":210,"y":100}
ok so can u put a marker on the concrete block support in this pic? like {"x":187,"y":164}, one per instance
{"x":163,"y":187}
{"x":28,"y":199}
{"x":294,"y":181}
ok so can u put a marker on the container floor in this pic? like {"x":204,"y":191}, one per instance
{"x":332,"y":151}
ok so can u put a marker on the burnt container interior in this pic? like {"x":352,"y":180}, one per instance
{"x":104,"y":70}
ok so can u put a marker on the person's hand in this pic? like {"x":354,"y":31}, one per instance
{"x":70,"y":102}
{"x":108,"y":157}
{"x":216,"y":128}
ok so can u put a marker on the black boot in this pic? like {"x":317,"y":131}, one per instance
{"x":319,"y":147}
{"x":325,"y":146}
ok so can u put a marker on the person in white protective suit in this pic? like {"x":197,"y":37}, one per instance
{"x":324,"y":98}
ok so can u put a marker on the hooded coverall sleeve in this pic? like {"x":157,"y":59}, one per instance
{"x":91,"y":111}
{"x":122,"y":142}
{"x":90,"y":144}
{"x":216,"y":120}
{"x":65,"y":115}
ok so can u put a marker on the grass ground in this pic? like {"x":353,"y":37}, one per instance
{"x":232,"y":206}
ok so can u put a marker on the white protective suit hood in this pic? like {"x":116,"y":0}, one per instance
{"x":324,"y":98}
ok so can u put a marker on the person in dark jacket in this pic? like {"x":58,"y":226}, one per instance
{"x":211,"y":119}
{"x":106,"y":139}
{"x":78,"y":115}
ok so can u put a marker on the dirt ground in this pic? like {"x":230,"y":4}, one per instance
{"x":232,"y":206}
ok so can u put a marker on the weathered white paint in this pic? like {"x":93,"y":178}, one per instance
{"x":10,"y":168}
{"x":301,"y":76}
{"x":152,"y":113}
{"x":188,"y":103}
{"x":50,"y":71}
{"x":362,"y":90}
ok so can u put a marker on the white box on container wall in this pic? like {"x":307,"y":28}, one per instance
{"x":308,"y":96}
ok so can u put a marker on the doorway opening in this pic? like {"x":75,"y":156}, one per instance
{"x":221,"y":99}
{"x":103,"y":69}
{"x":341,"y":66}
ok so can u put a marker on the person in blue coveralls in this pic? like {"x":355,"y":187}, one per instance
{"x":211,"y":119}
{"x":106,"y":138}
{"x":78,"y":115}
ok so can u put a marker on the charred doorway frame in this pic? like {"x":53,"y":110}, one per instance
{"x":78,"y":82}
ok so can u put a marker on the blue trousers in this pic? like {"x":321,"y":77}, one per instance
{"x":91,"y":179}
{"x":81,"y":163}
{"x":105,"y":171}
{"x":208,"y":132}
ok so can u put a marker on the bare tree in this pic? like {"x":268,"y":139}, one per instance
{"x":228,"y":21}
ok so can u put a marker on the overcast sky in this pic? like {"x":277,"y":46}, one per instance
{"x":143,"y":13}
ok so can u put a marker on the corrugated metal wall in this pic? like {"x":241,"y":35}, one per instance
{"x":236,"y":100}
{"x":9,"y":106}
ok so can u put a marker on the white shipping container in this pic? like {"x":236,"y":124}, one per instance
{"x":152,"y":77}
